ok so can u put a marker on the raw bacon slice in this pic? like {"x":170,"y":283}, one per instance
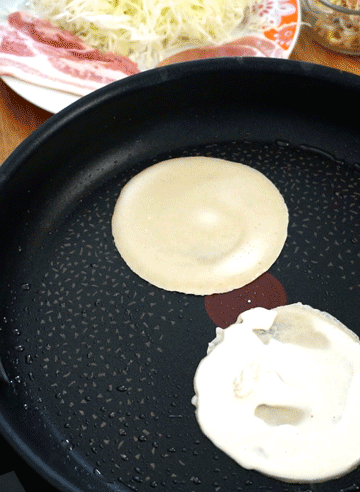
{"x":246,"y":46}
{"x":36,"y":51}
{"x":264,"y":45}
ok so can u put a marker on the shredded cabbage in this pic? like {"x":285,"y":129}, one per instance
{"x":145,"y":30}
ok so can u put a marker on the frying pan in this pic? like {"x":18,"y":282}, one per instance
{"x":97,"y":364}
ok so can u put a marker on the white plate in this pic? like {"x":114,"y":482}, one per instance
{"x":54,"y":101}
{"x":48,"y":99}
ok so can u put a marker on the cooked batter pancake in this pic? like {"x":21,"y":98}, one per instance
{"x":200,"y":225}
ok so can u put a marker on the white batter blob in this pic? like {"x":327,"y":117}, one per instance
{"x":200,"y":225}
{"x":279,"y":392}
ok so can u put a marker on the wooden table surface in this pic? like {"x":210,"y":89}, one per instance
{"x":18,"y":117}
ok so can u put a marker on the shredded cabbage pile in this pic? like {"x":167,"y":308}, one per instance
{"x":145,"y":30}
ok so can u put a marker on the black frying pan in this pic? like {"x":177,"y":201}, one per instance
{"x":96,"y":364}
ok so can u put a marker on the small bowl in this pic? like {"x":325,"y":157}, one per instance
{"x":334,"y":26}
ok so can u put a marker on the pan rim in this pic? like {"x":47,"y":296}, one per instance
{"x":163,"y":75}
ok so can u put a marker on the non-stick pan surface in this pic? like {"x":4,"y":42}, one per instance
{"x":96,"y":364}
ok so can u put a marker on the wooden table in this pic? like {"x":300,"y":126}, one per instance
{"x":18,"y":117}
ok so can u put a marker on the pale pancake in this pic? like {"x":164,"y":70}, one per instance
{"x":199,"y":225}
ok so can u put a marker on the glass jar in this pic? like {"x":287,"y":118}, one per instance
{"x":335,"y":25}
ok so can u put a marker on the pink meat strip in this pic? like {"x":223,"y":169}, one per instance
{"x":263,"y":45}
{"x":33,"y":50}
{"x":255,"y":46}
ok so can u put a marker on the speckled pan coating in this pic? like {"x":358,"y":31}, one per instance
{"x":101,"y":363}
